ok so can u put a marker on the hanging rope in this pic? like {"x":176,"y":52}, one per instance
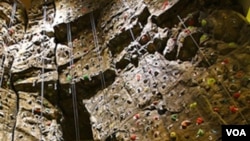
{"x":42,"y":59}
{"x":96,"y":43}
{"x":13,"y":12}
{"x":73,"y":87}
{"x":213,"y":73}
{"x":42,"y":70}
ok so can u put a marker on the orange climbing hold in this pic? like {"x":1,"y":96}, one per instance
{"x":185,"y":123}
{"x":216,"y":109}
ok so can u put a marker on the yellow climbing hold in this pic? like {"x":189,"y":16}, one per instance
{"x":248,"y":15}
{"x":211,"y":81}
{"x":193,"y":105}
{"x":172,"y":135}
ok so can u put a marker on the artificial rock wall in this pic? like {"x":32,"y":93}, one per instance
{"x":161,"y":69}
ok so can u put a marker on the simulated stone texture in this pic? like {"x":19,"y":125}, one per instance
{"x":156,"y":70}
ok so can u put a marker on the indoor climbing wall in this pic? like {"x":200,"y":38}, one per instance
{"x":122,"y":70}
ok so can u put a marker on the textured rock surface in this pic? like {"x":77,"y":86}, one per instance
{"x":149,"y":77}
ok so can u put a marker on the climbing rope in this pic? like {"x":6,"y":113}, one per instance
{"x":96,"y":43}
{"x":73,"y":87}
{"x":42,"y":70}
{"x":213,"y":73}
{"x":13,"y":12}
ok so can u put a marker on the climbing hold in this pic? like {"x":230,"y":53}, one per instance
{"x":165,"y":4}
{"x":239,"y":74}
{"x":185,"y":123}
{"x":133,"y":137}
{"x":173,"y":135}
{"x":236,"y":95}
{"x":232,"y":44}
{"x":225,"y":61}
{"x":37,"y":111}
{"x":85,"y":77}
{"x":11,"y":31}
{"x":199,"y":120}
{"x":138,"y":77}
{"x":233,"y":109}
{"x":224,"y":101}
{"x":136,"y":116}
{"x":69,"y":78}
{"x":216,"y":109}
{"x":193,"y":105}
{"x":144,"y":39}
{"x":188,"y":31}
{"x":200,"y":132}
{"x":190,"y":22}
{"x":211,"y":81}
{"x":203,"y":38}
{"x":48,"y":123}
{"x":174,"y":117}
{"x":203,"y":22}
{"x":156,"y":118}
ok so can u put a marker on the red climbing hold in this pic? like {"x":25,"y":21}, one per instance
{"x":10,"y":31}
{"x":84,"y":10}
{"x":155,"y":102}
{"x":199,"y":120}
{"x":225,"y":61}
{"x":239,"y":74}
{"x":236,"y":95}
{"x":37,"y":111}
{"x":136,"y":116}
{"x":156,"y":118}
{"x":191,"y":22}
{"x":233,"y":109}
{"x":165,"y":4}
{"x":133,"y":137}
{"x":48,"y":123}
{"x":138,"y":77}
{"x":187,"y":31}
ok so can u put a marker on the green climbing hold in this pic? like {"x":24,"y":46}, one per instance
{"x":203,"y":22}
{"x":85,"y":77}
{"x":232,"y":44}
{"x":174,"y":117}
{"x":200,"y":132}
{"x":69,"y":78}
{"x":203,"y":38}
